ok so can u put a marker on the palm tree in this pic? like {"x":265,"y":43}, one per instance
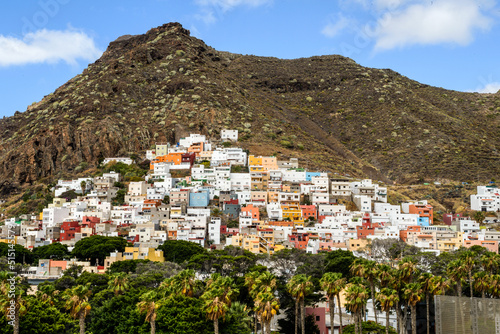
{"x":265,"y":281}
{"x":440,"y":285}
{"x":185,"y":282}
{"x":267,"y":306}
{"x":250,"y":279}
{"x":388,"y":299}
{"x":482,"y":283}
{"x":149,"y":305}
{"x":118,"y":283}
{"x":413,"y":293}
{"x":356,"y":296}
{"x":217,"y":298}
{"x":7,"y":301}
{"x":468,"y":263}
{"x":83,"y":185}
{"x":77,"y":302}
{"x":371,"y":275}
{"x":456,"y":272}
{"x":299,"y":287}
{"x":494,"y":289}
{"x":385,"y":275}
{"x":47,"y":293}
{"x":333,"y":284}
{"x":490,"y":262}
{"x":427,"y":282}
{"x":408,"y":268}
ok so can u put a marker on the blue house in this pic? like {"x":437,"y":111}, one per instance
{"x":309,"y":175}
{"x":201,"y":198}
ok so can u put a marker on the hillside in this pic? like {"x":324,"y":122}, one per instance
{"x":328,"y":111}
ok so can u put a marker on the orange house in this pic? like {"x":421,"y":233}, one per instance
{"x":309,"y":211}
{"x":280,"y":223}
{"x":175,"y":158}
{"x":423,"y":210}
{"x":403,"y":234}
{"x":250,"y":211}
{"x":196,"y":148}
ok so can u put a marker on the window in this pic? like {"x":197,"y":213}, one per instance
{"x":317,"y":318}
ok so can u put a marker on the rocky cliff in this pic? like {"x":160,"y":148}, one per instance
{"x":328,"y":111}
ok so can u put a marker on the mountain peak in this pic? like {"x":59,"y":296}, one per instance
{"x":328,"y":111}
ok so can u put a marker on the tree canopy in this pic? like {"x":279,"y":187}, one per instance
{"x":96,"y":247}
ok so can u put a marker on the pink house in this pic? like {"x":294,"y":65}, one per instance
{"x":319,"y":314}
{"x":490,"y":245}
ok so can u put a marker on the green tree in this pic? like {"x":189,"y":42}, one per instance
{"x":185,"y":315}
{"x":54,"y":251}
{"x":490,"y":262}
{"x":413,"y":293}
{"x":149,"y":305}
{"x":339,"y":261}
{"x":179,"y":251}
{"x":266,"y":306}
{"x":77,"y":302}
{"x":237,"y":320}
{"x":388,"y":299}
{"x":482,"y":283}
{"x":42,"y":317}
{"x":21,"y":254}
{"x":97,"y":247}
{"x":427,"y":282}
{"x":125,"y":266}
{"x":479,"y":217}
{"x":333,"y":284}
{"x":217,"y":298}
{"x":185,"y":282}
{"x":118,"y":283}
{"x":369,"y":271}
{"x":356,"y":296}
{"x":13,"y":306}
{"x":83,"y":186}
{"x":299,"y":287}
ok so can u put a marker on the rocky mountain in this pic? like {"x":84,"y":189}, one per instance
{"x":328,"y":111}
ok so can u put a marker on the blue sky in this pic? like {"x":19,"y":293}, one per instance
{"x":452,"y":44}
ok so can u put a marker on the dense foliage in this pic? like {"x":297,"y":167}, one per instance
{"x":235,"y":291}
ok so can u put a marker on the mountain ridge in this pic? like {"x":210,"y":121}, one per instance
{"x":328,"y":111}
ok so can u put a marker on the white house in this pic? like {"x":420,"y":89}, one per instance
{"x":486,"y":199}
{"x":125,"y":160}
{"x":229,"y":135}
{"x":214,"y":230}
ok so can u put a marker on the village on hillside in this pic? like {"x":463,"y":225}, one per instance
{"x":218,"y":196}
{"x":229,"y":198}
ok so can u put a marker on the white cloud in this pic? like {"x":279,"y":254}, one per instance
{"x":226,"y":5}
{"x":207,"y":16}
{"x":47,"y":46}
{"x":433,"y":22}
{"x":491,"y":87}
{"x":334,"y":27}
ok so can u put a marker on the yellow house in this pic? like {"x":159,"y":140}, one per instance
{"x":256,"y":244}
{"x":139,"y":253}
{"x":161,"y":149}
{"x":9,"y":241}
{"x":292,"y":212}
{"x":273,"y":196}
{"x":262,"y":163}
{"x":57,"y":203}
{"x":357,"y":244}
{"x":449,"y":241}
{"x":258,"y":196}
{"x":259,"y":180}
